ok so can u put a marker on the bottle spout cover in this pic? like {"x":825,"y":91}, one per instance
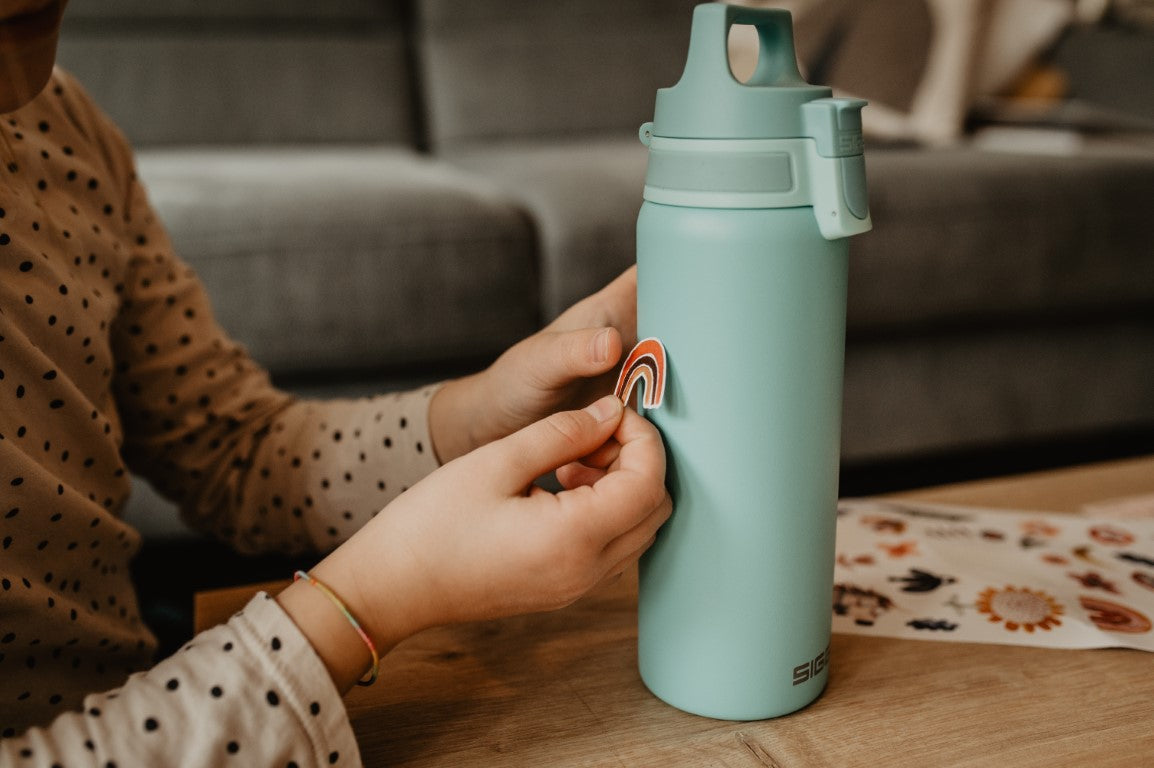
{"x":708,"y":102}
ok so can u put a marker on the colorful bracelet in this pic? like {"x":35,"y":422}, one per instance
{"x":352,"y":620}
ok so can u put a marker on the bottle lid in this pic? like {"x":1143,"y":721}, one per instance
{"x":774,"y":141}
{"x":710,"y":103}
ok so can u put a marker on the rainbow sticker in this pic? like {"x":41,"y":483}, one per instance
{"x":646,"y":363}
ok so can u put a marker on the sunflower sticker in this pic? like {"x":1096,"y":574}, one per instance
{"x":1022,"y":608}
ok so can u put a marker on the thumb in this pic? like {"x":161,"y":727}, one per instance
{"x":519,"y":459}
{"x":563,"y":356}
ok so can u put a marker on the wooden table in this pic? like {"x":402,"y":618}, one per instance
{"x":562,"y":689}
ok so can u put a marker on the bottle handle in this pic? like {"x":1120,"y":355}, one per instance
{"x":709,"y":44}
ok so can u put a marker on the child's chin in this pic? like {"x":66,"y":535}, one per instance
{"x":26,"y":66}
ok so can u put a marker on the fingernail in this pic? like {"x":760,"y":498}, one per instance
{"x":601,"y":346}
{"x":604,"y":409}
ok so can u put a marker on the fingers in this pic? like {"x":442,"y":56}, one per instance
{"x":589,"y":469}
{"x":514,"y":462}
{"x":640,"y":449}
{"x":589,"y":351}
{"x":619,"y":299}
{"x":604,"y":456}
{"x":627,"y":492}
{"x":577,"y":474}
{"x":618,"y":564}
{"x":552,"y":360}
{"x":614,"y":305}
{"x":579,"y":353}
{"x":628,"y":547}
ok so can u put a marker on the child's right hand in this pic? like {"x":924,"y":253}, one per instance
{"x":477,"y":540}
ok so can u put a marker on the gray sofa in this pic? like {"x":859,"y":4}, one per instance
{"x":380,"y":192}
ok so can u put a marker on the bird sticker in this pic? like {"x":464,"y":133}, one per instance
{"x":922,"y":581}
{"x":933,"y":625}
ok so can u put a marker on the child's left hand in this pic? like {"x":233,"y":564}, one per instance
{"x":568,"y":364}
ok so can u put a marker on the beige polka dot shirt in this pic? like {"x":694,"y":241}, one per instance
{"x":110,"y":362}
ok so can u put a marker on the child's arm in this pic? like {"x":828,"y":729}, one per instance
{"x":476,"y":540}
{"x":251,"y":692}
{"x":264,"y":472}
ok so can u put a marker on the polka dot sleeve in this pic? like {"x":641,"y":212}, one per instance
{"x":249,"y":692}
{"x":247,"y":462}
{"x":109,"y":353}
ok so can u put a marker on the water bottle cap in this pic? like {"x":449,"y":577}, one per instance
{"x":773,"y":142}
{"x":710,"y":103}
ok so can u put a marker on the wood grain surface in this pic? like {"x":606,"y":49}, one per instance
{"x":562,"y":688}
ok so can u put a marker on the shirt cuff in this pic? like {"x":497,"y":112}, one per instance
{"x":415,"y":404}
{"x":289,"y":659}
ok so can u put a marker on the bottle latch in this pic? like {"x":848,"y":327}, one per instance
{"x":835,"y":124}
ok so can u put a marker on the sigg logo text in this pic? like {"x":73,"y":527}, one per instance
{"x":811,"y":669}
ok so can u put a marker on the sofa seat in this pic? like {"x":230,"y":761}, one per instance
{"x":1019,"y":384}
{"x":393,"y":259}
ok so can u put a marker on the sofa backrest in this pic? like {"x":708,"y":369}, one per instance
{"x":518,"y":69}
{"x":243,"y":71}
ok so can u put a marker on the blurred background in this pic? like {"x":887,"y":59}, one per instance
{"x":379,"y":193}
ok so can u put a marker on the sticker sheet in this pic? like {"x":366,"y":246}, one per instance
{"x":935,"y":572}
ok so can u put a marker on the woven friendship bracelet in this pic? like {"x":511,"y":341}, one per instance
{"x":372,"y":678}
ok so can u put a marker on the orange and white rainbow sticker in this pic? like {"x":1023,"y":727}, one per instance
{"x":645,"y":363}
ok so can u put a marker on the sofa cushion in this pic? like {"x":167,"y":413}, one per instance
{"x":584,"y":197}
{"x":224,"y":71}
{"x":348,"y":257}
{"x":496,"y":69}
{"x":963,"y":237}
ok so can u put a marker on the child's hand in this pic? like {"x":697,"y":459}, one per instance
{"x":477,"y":540}
{"x":566,"y":365}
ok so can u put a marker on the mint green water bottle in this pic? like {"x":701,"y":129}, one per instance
{"x":750,"y":194}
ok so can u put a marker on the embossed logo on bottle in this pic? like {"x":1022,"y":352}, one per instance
{"x":805,"y":672}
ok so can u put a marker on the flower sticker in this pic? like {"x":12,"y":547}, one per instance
{"x":1023,"y":608}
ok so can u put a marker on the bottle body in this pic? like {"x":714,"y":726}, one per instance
{"x":734,"y":607}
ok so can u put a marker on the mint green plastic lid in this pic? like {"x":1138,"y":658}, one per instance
{"x":774,"y":141}
{"x":710,"y":103}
